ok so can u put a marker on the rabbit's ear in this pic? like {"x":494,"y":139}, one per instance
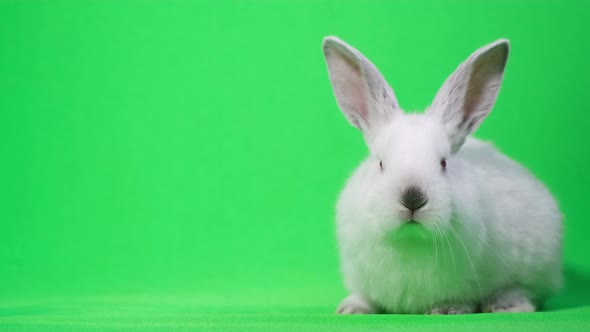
{"x":362,"y":94}
{"x":469,"y":94}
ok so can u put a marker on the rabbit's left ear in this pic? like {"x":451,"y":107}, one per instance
{"x":469,"y":94}
{"x":364,"y":97}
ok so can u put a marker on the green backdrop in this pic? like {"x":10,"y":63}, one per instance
{"x":175,"y":164}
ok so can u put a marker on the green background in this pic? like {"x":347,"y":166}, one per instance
{"x":175,"y":164}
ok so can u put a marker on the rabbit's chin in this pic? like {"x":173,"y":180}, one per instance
{"x":410,"y":233}
{"x":412,"y":240}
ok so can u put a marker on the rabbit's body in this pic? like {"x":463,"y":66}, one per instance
{"x":495,"y":202}
{"x":433,"y":222}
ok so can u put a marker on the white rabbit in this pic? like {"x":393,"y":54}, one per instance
{"x":432,"y":221}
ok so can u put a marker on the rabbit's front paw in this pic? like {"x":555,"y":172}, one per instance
{"x":354,"y":304}
{"x":514,"y":300}
{"x":452,"y":310}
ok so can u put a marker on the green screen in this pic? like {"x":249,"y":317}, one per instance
{"x":175,"y":164}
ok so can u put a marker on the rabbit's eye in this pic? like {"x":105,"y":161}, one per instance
{"x":381,"y":165}
{"x":443,"y":164}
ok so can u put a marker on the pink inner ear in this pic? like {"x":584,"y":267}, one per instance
{"x":356,"y":98}
{"x":349,"y":87}
{"x":483,"y":84}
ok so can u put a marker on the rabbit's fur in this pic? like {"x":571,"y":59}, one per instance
{"x":487,"y":235}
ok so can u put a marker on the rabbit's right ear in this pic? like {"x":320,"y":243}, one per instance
{"x":362,"y":94}
{"x":468,"y":95}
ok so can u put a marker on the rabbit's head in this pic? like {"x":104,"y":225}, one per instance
{"x":407,"y":173}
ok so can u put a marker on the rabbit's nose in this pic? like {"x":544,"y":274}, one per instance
{"x":413,"y":198}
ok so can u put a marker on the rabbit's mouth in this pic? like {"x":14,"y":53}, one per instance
{"x":410,"y":230}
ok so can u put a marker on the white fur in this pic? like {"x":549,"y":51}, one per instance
{"x":489,"y":230}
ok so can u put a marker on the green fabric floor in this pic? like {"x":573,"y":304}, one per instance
{"x":265,"y":310}
{"x":114,"y":315}
{"x":92,"y":317}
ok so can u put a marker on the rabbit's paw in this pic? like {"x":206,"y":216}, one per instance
{"x":452,"y":310}
{"x":354,"y":304}
{"x":513,"y":300}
